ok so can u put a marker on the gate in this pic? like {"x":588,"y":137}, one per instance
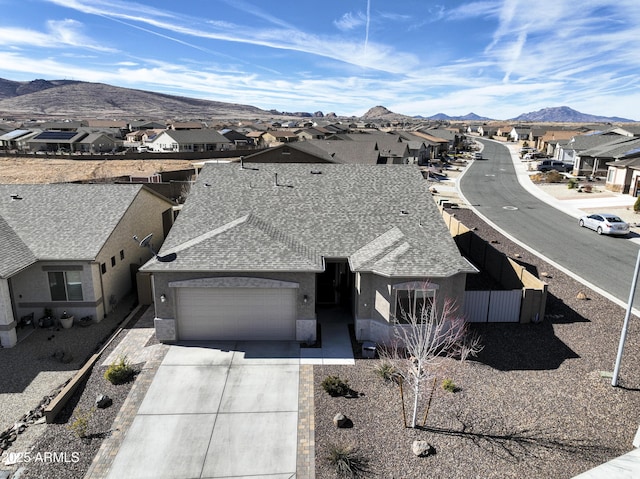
{"x":492,"y":306}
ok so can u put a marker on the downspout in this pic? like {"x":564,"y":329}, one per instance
{"x":101,"y":289}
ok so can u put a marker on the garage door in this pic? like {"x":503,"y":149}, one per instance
{"x":236,"y":313}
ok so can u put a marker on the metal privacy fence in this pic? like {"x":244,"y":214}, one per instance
{"x":492,"y":306}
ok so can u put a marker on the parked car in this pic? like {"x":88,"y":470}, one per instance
{"x":605,"y":223}
{"x":477,"y":156}
{"x":560,"y":166}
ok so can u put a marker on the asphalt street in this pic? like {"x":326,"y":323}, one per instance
{"x":492,"y":189}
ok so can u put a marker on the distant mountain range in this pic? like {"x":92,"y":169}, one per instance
{"x":69,"y":99}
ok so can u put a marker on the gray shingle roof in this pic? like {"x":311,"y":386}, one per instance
{"x":239,"y":220}
{"x":203,"y":135}
{"x":58,"y":221}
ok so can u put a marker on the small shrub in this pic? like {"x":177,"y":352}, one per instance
{"x":553,"y":177}
{"x":449,"y":385}
{"x":386,"y":371}
{"x":80,"y":425}
{"x":335,"y":386}
{"x":119,"y":372}
{"x":347,"y":461}
{"x":573,"y":183}
{"x":636,"y":205}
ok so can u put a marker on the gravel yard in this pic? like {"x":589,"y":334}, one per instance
{"x":532,"y":404}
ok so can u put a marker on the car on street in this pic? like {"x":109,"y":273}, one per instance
{"x":477,"y":156}
{"x":604,"y":223}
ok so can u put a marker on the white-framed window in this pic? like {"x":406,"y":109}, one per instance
{"x":611,"y":175}
{"x":65,"y":285}
{"x":414,"y":299}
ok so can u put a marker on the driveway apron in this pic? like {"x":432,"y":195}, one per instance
{"x":217,"y":410}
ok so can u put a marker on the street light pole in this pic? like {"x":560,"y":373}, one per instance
{"x":625,"y":326}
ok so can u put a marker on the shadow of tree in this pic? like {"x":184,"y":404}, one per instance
{"x":517,"y":443}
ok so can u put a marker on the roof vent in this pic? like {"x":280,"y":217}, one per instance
{"x":404,"y":212}
{"x":316,"y":172}
{"x":207,"y":185}
{"x":15,"y":197}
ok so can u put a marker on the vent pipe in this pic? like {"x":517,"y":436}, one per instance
{"x":276,"y":179}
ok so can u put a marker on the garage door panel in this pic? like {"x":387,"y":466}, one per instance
{"x":236,"y":313}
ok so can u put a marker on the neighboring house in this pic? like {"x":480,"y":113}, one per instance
{"x":13,"y":140}
{"x":69,"y":247}
{"x":97,"y":143}
{"x":238,"y":139}
{"x":188,"y":140}
{"x":146,"y":125}
{"x":519,"y":134}
{"x":277,"y":137}
{"x":297,"y":152}
{"x":622,"y":173}
{"x":312,"y":134}
{"x":56,"y":140}
{"x":261,"y":251}
{"x":544,"y":143}
{"x":586,"y":150}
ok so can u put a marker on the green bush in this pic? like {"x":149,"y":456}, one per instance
{"x":80,"y":425}
{"x":347,"y":461}
{"x":119,"y":372}
{"x":386,"y":371}
{"x":636,"y":205}
{"x":573,"y":183}
{"x":335,"y":386}
{"x":449,"y":385}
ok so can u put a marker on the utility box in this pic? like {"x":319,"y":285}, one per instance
{"x":368,"y":350}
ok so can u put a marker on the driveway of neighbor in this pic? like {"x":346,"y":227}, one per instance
{"x":217,"y":410}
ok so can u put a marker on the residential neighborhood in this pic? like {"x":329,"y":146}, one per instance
{"x":303,"y":246}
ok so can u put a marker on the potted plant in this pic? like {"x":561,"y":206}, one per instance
{"x":66,"y":320}
{"x":47,"y":320}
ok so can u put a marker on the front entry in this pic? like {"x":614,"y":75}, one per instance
{"x":335,"y":284}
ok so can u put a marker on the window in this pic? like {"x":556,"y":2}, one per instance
{"x":414,"y":299}
{"x":611,"y":175}
{"x":65,"y":285}
{"x":121,"y":254}
{"x":103,"y":268}
{"x":113,"y":261}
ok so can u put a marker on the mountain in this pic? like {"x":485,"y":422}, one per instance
{"x":445,"y":117}
{"x":74,"y":99}
{"x":381,"y":113}
{"x":564,"y":114}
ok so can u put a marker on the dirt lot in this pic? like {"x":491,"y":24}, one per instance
{"x":47,"y":170}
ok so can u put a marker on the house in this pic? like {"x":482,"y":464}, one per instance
{"x":238,"y":139}
{"x":69,"y":247}
{"x":622,"y":174}
{"x":97,"y":143}
{"x":16,"y":139}
{"x":188,"y":140}
{"x":586,"y":152}
{"x":277,"y":137}
{"x":262,"y":251}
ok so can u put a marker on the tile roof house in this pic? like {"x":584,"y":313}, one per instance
{"x":69,"y":247}
{"x":262,"y":249}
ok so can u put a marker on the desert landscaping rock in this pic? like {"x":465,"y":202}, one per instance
{"x":422,"y":448}
{"x":340,"y":420}
{"x":103,"y":401}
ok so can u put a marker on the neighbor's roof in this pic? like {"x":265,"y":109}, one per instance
{"x":381,"y":217}
{"x":58,"y":221}
{"x":203,"y":135}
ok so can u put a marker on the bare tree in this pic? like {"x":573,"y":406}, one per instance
{"x":424,"y":337}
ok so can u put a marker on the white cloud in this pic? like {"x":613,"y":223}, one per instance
{"x":350,"y":21}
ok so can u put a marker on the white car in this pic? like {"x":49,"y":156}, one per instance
{"x":605,"y":223}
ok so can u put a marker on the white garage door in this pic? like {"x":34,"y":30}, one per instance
{"x":236,"y":313}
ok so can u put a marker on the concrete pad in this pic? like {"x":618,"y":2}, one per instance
{"x":164,"y":447}
{"x":260,"y":444}
{"x":261,"y":388}
{"x":217,"y":353}
{"x":185,"y":390}
{"x":267,"y":352}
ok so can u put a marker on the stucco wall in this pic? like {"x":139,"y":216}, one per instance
{"x":142,"y":218}
{"x":31,"y":292}
{"x":375,"y":302}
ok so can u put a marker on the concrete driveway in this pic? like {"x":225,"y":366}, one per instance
{"x":217,"y":410}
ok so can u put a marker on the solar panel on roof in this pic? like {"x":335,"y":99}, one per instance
{"x":56,"y":135}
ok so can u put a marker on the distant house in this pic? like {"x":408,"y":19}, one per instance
{"x":263,"y":251}
{"x":188,"y":140}
{"x":276,"y":137}
{"x":588,"y":152}
{"x":238,"y":139}
{"x":97,"y":143}
{"x":17,"y":139}
{"x":69,"y":247}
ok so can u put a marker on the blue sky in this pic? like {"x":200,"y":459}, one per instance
{"x":496,"y":58}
